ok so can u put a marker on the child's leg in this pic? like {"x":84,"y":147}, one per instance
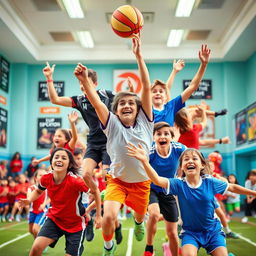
{"x":220,"y":251}
{"x":111,"y":209}
{"x":39,"y":245}
{"x":172,"y":233}
{"x":189,"y":250}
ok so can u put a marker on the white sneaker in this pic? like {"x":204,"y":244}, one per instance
{"x":3,"y":219}
{"x":18,"y":218}
{"x":244,"y":220}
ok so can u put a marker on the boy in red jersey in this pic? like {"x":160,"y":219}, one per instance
{"x":66,"y":216}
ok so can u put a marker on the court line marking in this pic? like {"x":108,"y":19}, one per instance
{"x":14,"y":225}
{"x":129,"y":243}
{"x":14,"y":240}
{"x":247,"y":240}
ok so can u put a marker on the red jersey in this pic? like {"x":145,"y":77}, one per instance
{"x":22,"y":190}
{"x":4,"y":191}
{"x":34,"y":207}
{"x":191,"y":138}
{"x":66,"y":146}
{"x":16,"y":165}
{"x":12,"y":194}
{"x":66,"y":210}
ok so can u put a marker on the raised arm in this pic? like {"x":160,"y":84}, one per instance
{"x":72,"y":117}
{"x":204,"y":55}
{"x":140,"y":154}
{"x":146,"y":98}
{"x":35,"y":162}
{"x":213,"y":142}
{"x":53,"y":95}
{"x":176,"y":67}
{"x":81,"y":72}
{"x":241,"y":190}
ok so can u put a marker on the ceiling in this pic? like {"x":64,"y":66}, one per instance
{"x":27,"y":30}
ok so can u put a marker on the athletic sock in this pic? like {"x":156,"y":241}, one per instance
{"x":108,"y":244}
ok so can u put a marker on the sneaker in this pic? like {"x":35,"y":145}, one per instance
{"x":118,"y":234}
{"x":18,"y":218}
{"x":110,"y":252}
{"x":89,"y":232}
{"x":139,"y":231}
{"x":244,"y":220}
{"x":232,"y":235}
{"x":11,"y":219}
{"x":3,"y":219}
{"x":148,"y":253}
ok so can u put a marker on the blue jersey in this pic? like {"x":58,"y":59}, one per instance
{"x":196,"y":203}
{"x":170,"y":109}
{"x":165,"y":166}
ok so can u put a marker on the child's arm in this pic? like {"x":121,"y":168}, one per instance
{"x":241,"y":190}
{"x":35,"y":162}
{"x":81,"y":72}
{"x":130,"y":85}
{"x":146,"y":98}
{"x":53,"y":95}
{"x":204,"y":55}
{"x":139,"y":153}
{"x":176,"y":67}
{"x":72,"y":117}
{"x":30,"y":198}
{"x":213,"y":142}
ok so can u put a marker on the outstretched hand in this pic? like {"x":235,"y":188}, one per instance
{"x":81,"y":72}
{"x":22,"y":203}
{"x":130,"y":84}
{"x":178,"y":65}
{"x":48,"y":70}
{"x":73,"y":116}
{"x":137,"y":152}
{"x":226,"y":140}
{"x":136,"y":43}
{"x":204,"y":54}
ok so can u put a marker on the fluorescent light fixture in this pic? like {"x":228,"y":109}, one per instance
{"x":73,"y":8}
{"x":175,"y":37}
{"x":184,"y":8}
{"x":85,"y":39}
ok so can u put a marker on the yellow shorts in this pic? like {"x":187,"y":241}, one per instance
{"x":134,"y":195}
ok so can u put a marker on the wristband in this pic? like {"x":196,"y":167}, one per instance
{"x":49,"y":81}
{"x":220,"y":141}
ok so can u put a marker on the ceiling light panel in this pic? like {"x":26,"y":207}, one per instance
{"x":184,"y":8}
{"x":74,"y":9}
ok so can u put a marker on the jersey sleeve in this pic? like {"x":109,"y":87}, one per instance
{"x":198,"y":127}
{"x":176,"y":103}
{"x":43,"y":182}
{"x":219,"y":186}
{"x":80,"y":185}
{"x":111,"y":125}
{"x":172,"y":187}
{"x":74,"y":102}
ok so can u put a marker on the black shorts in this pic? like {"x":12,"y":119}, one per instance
{"x":98,"y":154}
{"x":167,"y":204}
{"x":74,"y":241}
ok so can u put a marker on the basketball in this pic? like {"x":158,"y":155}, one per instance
{"x":126,"y":20}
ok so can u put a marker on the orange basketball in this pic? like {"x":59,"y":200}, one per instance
{"x":126,"y":20}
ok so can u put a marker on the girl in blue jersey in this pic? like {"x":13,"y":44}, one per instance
{"x":164,"y":158}
{"x":195,"y":192}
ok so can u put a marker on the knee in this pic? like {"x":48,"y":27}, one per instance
{"x":36,"y":250}
{"x":154,"y":217}
{"x":109,"y":219}
{"x":172,"y":234}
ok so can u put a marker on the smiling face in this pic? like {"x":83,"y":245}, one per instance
{"x":59,"y":139}
{"x":127,"y":110}
{"x":163,"y":137}
{"x":60,"y":161}
{"x":159,"y":96}
{"x":191,"y":164}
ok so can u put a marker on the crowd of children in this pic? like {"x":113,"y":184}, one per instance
{"x":134,"y":142}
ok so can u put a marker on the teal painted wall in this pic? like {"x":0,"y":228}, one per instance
{"x":233,"y":85}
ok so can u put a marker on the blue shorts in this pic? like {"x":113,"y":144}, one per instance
{"x":209,"y":240}
{"x":2,"y":205}
{"x":36,"y":218}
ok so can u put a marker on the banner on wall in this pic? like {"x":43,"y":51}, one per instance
{"x":45,"y":131}
{"x":43,"y":91}
{"x":3,"y":127}
{"x":4,"y":74}
{"x":120,"y":77}
{"x":241,"y":127}
{"x":251,"y":119}
{"x":203,"y":92}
